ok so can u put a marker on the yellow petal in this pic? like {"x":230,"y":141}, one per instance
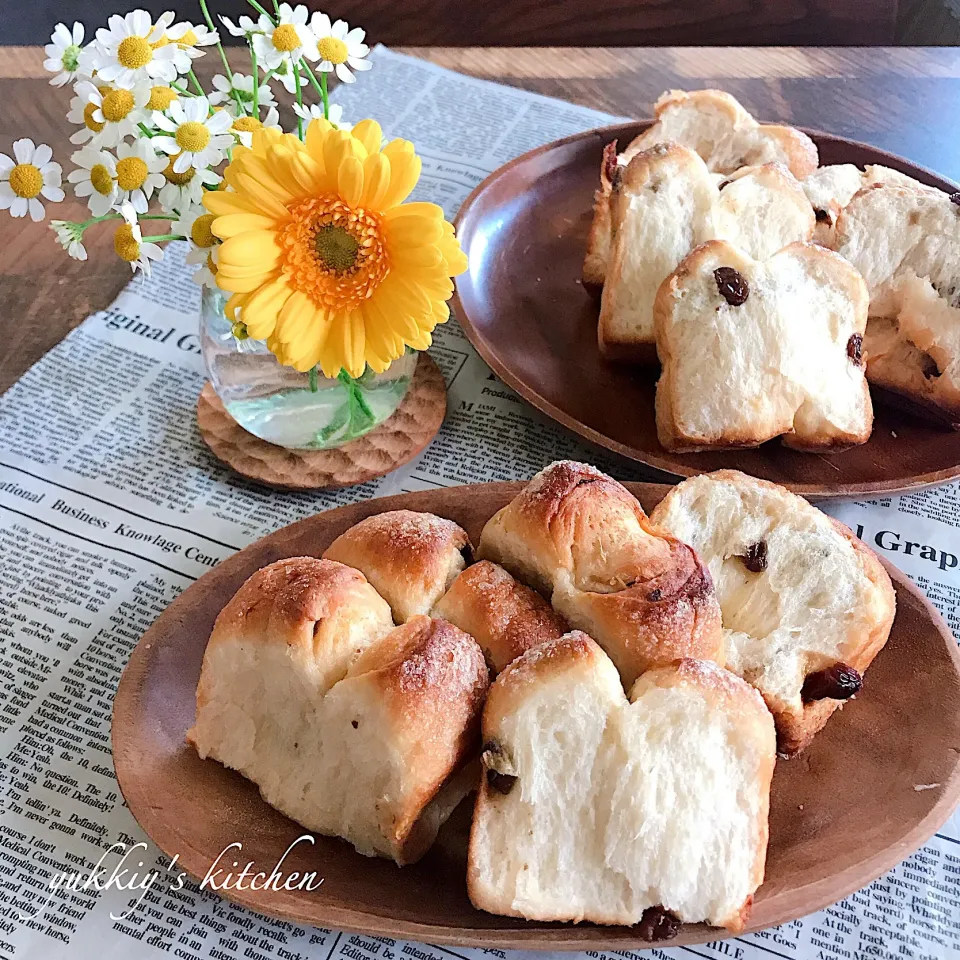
{"x":376,"y":180}
{"x":235,"y":303}
{"x":407,"y":255}
{"x":260,"y":169}
{"x":405,"y":172}
{"x":244,"y":270}
{"x":234,"y":223}
{"x":255,"y":247}
{"x":295,"y":317}
{"x":368,"y":132}
{"x":413,"y":231}
{"x":261,"y":310}
{"x":221,"y":203}
{"x":261,"y":196}
{"x":350,"y":181}
{"x":316,"y":136}
{"x":241,"y":284}
{"x":418,"y":208}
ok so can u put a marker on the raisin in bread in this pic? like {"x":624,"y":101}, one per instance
{"x":720,"y":130}
{"x":906,"y":243}
{"x":755,"y":350}
{"x":665,"y":203}
{"x":804,"y":602}
{"x":410,"y":558}
{"x":348,"y":725}
{"x":583,"y":540}
{"x":650,"y":810}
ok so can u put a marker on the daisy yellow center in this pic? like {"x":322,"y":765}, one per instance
{"x":161,"y":98}
{"x":200,"y":232}
{"x":26,"y":180}
{"x":132,"y":173}
{"x":192,"y":136}
{"x":334,"y":254}
{"x":177,"y":179}
{"x":134,"y":53}
{"x":285,"y":38}
{"x":189,"y":39}
{"x":125,"y":244}
{"x":247,"y":124}
{"x":333,"y":50}
{"x":101,"y":179}
{"x":95,"y":125}
{"x":116,"y":105}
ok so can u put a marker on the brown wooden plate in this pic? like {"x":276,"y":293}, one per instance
{"x":523,"y":307}
{"x":841,"y":814}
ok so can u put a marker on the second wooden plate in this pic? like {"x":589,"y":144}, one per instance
{"x":522,"y":306}
{"x":841,"y":814}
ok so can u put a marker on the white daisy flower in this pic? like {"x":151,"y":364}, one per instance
{"x":81,"y":112}
{"x":339,"y":47}
{"x":139,"y":172}
{"x":198,"y":139}
{"x":289,"y":39}
{"x":286,"y":74}
{"x":314,"y":111}
{"x":117,"y":112}
{"x":129,"y":245}
{"x":243,"y":88}
{"x":30,"y":175}
{"x":126,"y":54}
{"x":70,"y":237}
{"x":184,"y":190}
{"x":206,"y":276}
{"x":244,"y":127}
{"x":63,"y":53}
{"x":245,"y":26}
{"x":95,"y":178}
{"x":188,"y":37}
{"x":161,"y":96}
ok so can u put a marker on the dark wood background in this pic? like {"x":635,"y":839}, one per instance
{"x":544,"y":22}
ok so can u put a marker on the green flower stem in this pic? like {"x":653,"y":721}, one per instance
{"x":276,"y":7}
{"x":162,"y":238}
{"x":326,"y":99}
{"x":153,"y":216}
{"x":296,"y":78}
{"x":312,"y":77}
{"x":256,"y":6}
{"x":146,"y":130}
{"x":356,"y":394}
{"x":196,"y":82}
{"x":256,"y":80}
{"x":223,"y":55}
{"x":181,"y":89}
{"x":313,"y":379}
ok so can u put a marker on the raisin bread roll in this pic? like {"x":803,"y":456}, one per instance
{"x":755,"y":350}
{"x":714,"y":125}
{"x":665,"y":203}
{"x":647,"y":811}
{"x":410,"y":558}
{"x":583,"y":540}
{"x":906,"y":242}
{"x":806,"y":606}
{"x":348,"y":725}
{"x":505,"y":617}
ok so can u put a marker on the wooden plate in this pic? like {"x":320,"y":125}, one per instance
{"x":841,"y":814}
{"x":522,"y":306}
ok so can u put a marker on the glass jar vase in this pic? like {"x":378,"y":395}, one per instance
{"x":282,"y":405}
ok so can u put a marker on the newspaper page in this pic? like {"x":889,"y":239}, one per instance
{"x":111,"y":505}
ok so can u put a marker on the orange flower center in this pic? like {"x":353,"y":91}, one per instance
{"x":334,"y":254}
{"x":126,"y":244}
{"x":95,"y":125}
{"x":178,"y":179}
{"x":333,"y":50}
{"x":161,"y":98}
{"x":134,"y":52}
{"x":285,"y":38}
{"x":116,"y":105}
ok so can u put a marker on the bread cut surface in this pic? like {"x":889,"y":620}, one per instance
{"x":821,"y":599}
{"x":410,"y":558}
{"x":348,"y":725}
{"x":505,"y":617}
{"x":665,"y":804}
{"x":718,"y":128}
{"x":906,"y":242}
{"x":665,"y":203}
{"x":583,"y":540}
{"x":784,"y":361}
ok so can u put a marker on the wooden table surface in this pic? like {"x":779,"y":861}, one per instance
{"x":902,"y":99}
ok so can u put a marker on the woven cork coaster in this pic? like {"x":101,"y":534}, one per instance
{"x":399,"y":439}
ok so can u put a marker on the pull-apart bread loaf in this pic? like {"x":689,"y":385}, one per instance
{"x":806,"y":606}
{"x":347,"y":725}
{"x":831,"y":188}
{"x":906,"y":243}
{"x":665,"y":203}
{"x":410,"y":558}
{"x":583,"y":540}
{"x":649,"y":811}
{"x":720,"y":130}
{"x":505,"y":617}
{"x":755,"y":350}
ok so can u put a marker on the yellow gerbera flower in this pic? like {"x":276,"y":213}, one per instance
{"x":323,"y":258}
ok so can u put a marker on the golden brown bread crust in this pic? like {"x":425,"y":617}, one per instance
{"x":410,"y":558}
{"x":431,"y":679}
{"x":582,"y":539}
{"x":505,"y":617}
